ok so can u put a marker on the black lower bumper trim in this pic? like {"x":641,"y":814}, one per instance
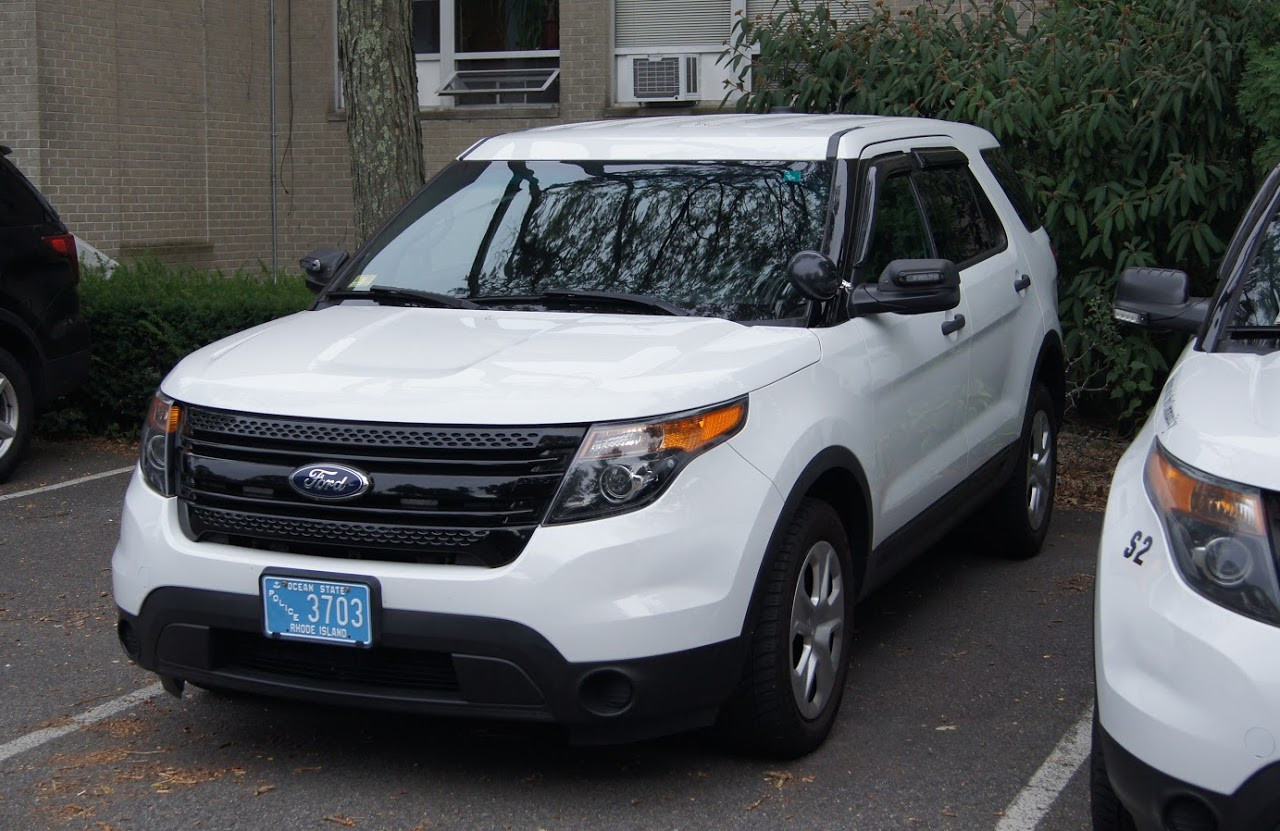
{"x":434,"y":664}
{"x":1159,"y":802}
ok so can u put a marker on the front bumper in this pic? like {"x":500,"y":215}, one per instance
{"x":423,"y":662}
{"x":1159,"y":802}
{"x":1188,"y":691}
{"x":653,"y":601}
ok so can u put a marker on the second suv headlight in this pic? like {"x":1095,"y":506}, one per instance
{"x":159,"y":435}
{"x":1218,"y":533}
{"x":622,"y":467}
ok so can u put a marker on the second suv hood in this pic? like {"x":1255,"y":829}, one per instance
{"x":444,"y":366}
{"x":1220,"y":412}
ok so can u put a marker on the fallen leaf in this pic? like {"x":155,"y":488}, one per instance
{"x":758,"y":802}
{"x":261,"y":789}
{"x":339,"y":819}
{"x":778,"y":778}
{"x":945,"y":727}
{"x":307,"y":769}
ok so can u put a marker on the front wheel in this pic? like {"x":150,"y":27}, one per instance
{"x":17,"y":410}
{"x":794,"y":678}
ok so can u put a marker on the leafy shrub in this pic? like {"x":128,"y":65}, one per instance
{"x":144,"y":319}
{"x":1260,"y":91}
{"x":1122,"y":116}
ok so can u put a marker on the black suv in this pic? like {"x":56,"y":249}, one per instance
{"x":44,"y":343}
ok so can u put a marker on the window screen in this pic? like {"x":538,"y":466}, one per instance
{"x":964,"y":224}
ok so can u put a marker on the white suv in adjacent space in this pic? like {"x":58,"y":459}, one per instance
{"x":610,"y":426}
{"x":1187,"y":613}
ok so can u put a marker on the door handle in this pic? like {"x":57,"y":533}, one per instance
{"x":1023,"y":282}
{"x":955,"y":324}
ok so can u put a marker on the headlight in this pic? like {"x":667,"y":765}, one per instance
{"x":622,"y":467}
{"x":159,"y":434}
{"x":1218,"y":533}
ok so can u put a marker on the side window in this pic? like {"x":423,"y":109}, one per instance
{"x":1259,"y":292}
{"x":1013,"y":186}
{"x":898,"y":230}
{"x":19,"y":205}
{"x":964,"y":224}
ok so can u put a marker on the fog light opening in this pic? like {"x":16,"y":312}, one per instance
{"x":606,"y":692}
{"x":1186,"y":813}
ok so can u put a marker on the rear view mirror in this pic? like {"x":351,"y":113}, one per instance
{"x":1159,"y":298}
{"x":320,"y":266}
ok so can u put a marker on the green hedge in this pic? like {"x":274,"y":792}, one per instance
{"x":1126,"y":118}
{"x":146,"y":317}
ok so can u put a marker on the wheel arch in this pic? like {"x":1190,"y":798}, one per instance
{"x":1051,"y":370}
{"x":835,"y":476}
{"x":20,"y":342}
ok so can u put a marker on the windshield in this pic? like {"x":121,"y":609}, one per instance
{"x":710,"y":237}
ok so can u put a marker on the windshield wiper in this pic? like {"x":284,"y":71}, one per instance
{"x":615,"y":298}
{"x":398,"y":296}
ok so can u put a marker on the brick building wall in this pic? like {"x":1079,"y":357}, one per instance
{"x":147,"y":122}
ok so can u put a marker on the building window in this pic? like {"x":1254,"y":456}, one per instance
{"x":487,"y":52}
{"x":669,"y":50}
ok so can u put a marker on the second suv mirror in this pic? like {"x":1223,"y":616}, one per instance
{"x":1158,"y":298}
{"x":320,"y":265}
{"x":910,"y":287}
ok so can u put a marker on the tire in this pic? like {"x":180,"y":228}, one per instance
{"x":17,"y":412}
{"x":793,"y":681}
{"x":1016,"y":520}
{"x":1105,"y":809}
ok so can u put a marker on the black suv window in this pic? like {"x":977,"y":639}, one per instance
{"x":965,"y":225}
{"x":1258,"y":302}
{"x":1014,"y":187}
{"x":898,"y":232}
{"x":19,"y":204}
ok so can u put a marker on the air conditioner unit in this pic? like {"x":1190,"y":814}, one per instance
{"x":662,"y":78}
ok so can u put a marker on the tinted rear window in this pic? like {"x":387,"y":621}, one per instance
{"x":19,"y":203}
{"x":1013,"y":187}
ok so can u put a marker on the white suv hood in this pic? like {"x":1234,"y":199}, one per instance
{"x":1220,"y":412}
{"x":444,"y":366}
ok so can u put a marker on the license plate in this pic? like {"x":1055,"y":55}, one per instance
{"x":303,"y":608}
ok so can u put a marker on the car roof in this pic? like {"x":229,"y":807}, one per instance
{"x":774,"y":137}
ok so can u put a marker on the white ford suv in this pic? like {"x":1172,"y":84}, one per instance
{"x":1187,"y":613}
{"x":610,"y":426}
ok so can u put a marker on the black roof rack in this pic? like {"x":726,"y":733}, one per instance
{"x":4,"y":151}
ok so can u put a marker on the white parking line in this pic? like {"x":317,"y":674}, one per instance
{"x":34,"y":739}
{"x":68,"y":483}
{"x":1034,"y":801}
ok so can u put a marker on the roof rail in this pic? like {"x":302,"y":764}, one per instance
{"x":4,"y":151}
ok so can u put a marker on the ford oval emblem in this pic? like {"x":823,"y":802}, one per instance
{"x":329,"y":481}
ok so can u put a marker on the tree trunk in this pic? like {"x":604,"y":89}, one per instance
{"x":380,"y":94}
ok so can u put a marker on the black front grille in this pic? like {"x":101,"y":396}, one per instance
{"x":459,"y":496}
{"x":380,"y":667}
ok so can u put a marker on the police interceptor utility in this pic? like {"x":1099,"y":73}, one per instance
{"x":610,"y":426}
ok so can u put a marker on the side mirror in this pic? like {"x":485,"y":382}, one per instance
{"x":813,"y":275}
{"x":910,"y":287}
{"x":319,"y":267}
{"x":1158,"y":298}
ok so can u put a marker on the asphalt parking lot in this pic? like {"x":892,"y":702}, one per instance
{"x":967,"y":708}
